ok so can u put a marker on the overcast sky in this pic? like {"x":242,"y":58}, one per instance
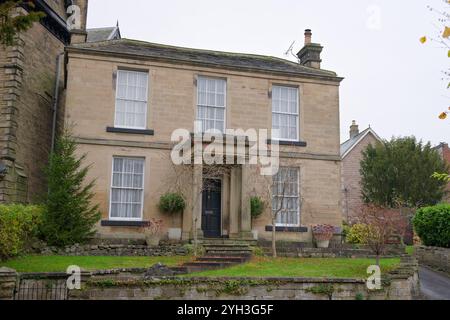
{"x":392,"y":82}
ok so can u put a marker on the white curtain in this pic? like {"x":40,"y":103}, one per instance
{"x":131,"y":99}
{"x":127,"y":188}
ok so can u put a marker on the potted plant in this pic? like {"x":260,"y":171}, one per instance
{"x":152,"y":232}
{"x":173,"y":204}
{"x":256,"y":208}
{"x":322,"y":235}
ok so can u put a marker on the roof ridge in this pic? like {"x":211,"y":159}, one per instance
{"x":217,"y":52}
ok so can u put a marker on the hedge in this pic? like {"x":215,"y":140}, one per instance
{"x":18,"y":225}
{"x":432,"y":224}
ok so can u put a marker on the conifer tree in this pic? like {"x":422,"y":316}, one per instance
{"x":70,"y":216}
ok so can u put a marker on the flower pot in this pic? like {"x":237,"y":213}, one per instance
{"x":323,"y":243}
{"x":174,"y":233}
{"x":152,"y":240}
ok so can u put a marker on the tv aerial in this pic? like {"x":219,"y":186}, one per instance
{"x":290,"y":50}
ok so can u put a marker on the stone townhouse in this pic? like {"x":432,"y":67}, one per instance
{"x":351,"y":153}
{"x":124,"y":98}
{"x":31,"y":80}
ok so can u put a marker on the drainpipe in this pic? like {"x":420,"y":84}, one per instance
{"x":56,"y":98}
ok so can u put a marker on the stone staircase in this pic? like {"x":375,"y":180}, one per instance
{"x":220,"y":254}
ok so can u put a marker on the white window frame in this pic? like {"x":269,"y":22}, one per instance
{"x":298,"y":202}
{"x":116,"y":125}
{"x":224,"y":107}
{"x":288,"y":113}
{"x":111,"y":189}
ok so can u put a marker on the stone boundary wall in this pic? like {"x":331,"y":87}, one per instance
{"x":401,"y":284}
{"x":129,"y":284}
{"x":336,"y":250}
{"x":434,"y":257}
{"x":115,"y":250}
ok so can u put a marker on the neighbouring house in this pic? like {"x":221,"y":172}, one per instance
{"x":444,"y":151}
{"x":124,"y":99}
{"x":28,"y":77}
{"x":31,"y":78}
{"x":352,"y":154}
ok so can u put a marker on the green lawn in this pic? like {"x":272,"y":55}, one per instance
{"x":308,"y":268}
{"x":60,"y":263}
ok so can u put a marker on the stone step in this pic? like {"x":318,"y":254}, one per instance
{"x":250,"y":242}
{"x":235,"y":259}
{"x":229,"y":253}
{"x":227,"y":248}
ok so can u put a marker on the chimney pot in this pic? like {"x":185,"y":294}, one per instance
{"x":308,"y":36}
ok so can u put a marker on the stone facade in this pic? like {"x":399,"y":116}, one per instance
{"x":437,"y":258}
{"x":27,"y":93}
{"x":90,"y":105}
{"x":351,"y":177}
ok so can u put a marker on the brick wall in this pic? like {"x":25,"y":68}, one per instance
{"x":351,"y":178}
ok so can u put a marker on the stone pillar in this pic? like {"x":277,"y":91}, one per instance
{"x":235,"y":202}
{"x":246,"y":217}
{"x":197,"y":200}
{"x":8,"y":280}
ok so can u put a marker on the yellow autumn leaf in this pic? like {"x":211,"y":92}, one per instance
{"x":423,"y":39}
{"x":443,"y":116}
{"x":446,"y":33}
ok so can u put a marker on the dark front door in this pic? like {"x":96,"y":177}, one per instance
{"x":211,"y":209}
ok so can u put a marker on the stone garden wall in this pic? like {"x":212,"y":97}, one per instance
{"x":336,"y":250}
{"x":130,"y":284}
{"x":437,"y":258}
{"x":105,"y":249}
{"x":401,"y":284}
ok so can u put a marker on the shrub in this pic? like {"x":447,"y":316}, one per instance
{"x":432,"y":224}
{"x":171,"y":203}
{"x":70,"y":217}
{"x":257,"y":207}
{"x":357,"y":234}
{"x":18,"y":225}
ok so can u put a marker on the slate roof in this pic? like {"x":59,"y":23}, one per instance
{"x":203,"y":57}
{"x":350,"y":143}
{"x":103,"y":34}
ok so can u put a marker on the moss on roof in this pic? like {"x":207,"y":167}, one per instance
{"x":202,"y":56}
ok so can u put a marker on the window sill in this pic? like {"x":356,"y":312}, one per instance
{"x":130,"y":131}
{"x":287,"y":229}
{"x":117,"y":223}
{"x":289,"y":143}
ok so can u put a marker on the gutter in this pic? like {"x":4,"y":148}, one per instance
{"x":56,"y":98}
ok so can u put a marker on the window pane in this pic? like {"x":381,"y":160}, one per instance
{"x":127,"y":188}
{"x":211,"y":103}
{"x":131,"y":101}
{"x":285,"y":185}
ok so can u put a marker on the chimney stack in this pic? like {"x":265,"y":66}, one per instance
{"x":354,"y":130}
{"x":309,"y":56}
